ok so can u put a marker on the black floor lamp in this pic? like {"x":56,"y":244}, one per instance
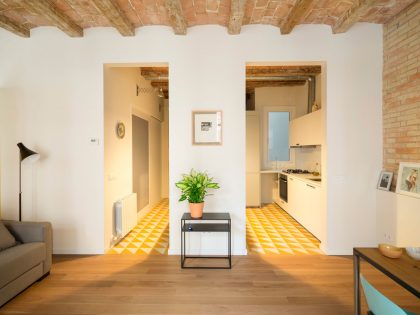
{"x":26,"y":156}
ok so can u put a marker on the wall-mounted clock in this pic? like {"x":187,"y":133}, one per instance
{"x":120,"y":130}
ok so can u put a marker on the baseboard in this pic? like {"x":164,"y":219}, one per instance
{"x":78,"y":251}
{"x":235,"y":252}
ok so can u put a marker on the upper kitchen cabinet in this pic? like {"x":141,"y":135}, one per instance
{"x":306,"y":130}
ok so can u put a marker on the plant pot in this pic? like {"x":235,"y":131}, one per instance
{"x":196,"y":210}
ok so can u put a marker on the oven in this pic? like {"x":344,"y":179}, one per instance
{"x":283,"y":187}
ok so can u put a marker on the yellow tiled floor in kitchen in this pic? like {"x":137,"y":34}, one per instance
{"x":269,"y":229}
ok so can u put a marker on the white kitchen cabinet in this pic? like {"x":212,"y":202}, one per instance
{"x":253,"y":180}
{"x":306,"y":130}
{"x":292,"y":195}
{"x":304,"y":204}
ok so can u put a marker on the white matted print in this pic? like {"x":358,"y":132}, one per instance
{"x":207,"y":127}
{"x":408,"y":182}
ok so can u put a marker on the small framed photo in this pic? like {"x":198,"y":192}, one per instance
{"x":407,"y":181}
{"x":385,"y":180}
{"x":207,"y":127}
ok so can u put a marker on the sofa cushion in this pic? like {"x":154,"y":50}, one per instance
{"x":16,"y":260}
{"x":6,"y":239}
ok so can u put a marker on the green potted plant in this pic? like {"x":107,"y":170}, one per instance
{"x":194,"y":188}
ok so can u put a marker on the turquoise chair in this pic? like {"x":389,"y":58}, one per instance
{"x":378,"y":303}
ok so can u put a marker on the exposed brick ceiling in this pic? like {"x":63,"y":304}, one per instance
{"x":72,"y":16}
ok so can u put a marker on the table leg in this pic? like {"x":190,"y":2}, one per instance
{"x":182,"y":242}
{"x":230,"y":245}
{"x":356,"y":274}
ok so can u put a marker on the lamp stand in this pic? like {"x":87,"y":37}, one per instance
{"x":20,"y":191}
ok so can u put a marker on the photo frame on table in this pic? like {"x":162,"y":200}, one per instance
{"x":207,"y":127}
{"x":408,"y":182}
{"x":385,"y":180}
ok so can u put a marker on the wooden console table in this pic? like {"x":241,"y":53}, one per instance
{"x":219,"y":222}
{"x":404,"y":270}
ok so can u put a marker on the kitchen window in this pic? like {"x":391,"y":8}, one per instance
{"x":278,"y":136}
{"x":275,"y":137}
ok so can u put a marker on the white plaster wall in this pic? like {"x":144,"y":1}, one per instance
{"x":398,"y":219}
{"x":296,"y":96}
{"x":165,"y":150}
{"x":120,"y":97}
{"x":54,"y":102}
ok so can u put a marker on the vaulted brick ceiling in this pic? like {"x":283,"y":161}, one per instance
{"x":72,"y":16}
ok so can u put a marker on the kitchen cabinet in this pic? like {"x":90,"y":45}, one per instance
{"x":253,"y":179}
{"x":304,"y":203}
{"x":306,"y":130}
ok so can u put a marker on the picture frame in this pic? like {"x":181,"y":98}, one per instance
{"x":408,"y":182}
{"x":207,"y":127}
{"x":385,"y":180}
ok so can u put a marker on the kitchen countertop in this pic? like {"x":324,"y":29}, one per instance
{"x":303,"y":177}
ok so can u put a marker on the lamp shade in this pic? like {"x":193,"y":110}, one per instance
{"x":27,"y":155}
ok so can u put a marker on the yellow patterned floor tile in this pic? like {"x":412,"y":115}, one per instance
{"x":269,"y":230}
{"x":272,"y":230}
{"x":149,"y":236}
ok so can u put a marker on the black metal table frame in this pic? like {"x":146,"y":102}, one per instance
{"x":356,"y":273}
{"x":185,"y":230}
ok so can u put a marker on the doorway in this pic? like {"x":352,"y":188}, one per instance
{"x":278,"y":222}
{"x":136,"y":160}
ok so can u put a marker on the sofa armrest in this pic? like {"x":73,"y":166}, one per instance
{"x":29,"y":232}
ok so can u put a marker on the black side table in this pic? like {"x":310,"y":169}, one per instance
{"x":222,"y":223}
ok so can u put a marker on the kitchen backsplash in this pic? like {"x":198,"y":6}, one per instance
{"x":306,"y":158}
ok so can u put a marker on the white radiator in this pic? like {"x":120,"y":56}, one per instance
{"x":125,"y":215}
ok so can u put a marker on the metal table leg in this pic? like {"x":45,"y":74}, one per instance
{"x":356,"y":274}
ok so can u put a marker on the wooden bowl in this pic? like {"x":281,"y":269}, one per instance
{"x":390,"y":251}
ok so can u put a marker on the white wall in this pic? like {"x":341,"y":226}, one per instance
{"x":165,"y":150}
{"x":296,"y":96}
{"x":120,"y":97}
{"x":308,"y":158}
{"x":54,"y":102}
{"x":398,"y":219}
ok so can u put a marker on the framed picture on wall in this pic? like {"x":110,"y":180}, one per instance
{"x":408,"y":182}
{"x":385,"y":180}
{"x":207,"y":127}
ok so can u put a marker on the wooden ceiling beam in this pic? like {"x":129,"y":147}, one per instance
{"x":56,"y":17}
{"x":160,"y":84}
{"x":269,"y":71}
{"x":256,"y":84}
{"x":176,"y":16}
{"x":115,"y":16}
{"x":352,"y":16}
{"x":237,"y":11}
{"x":296,"y":15}
{"x":150,"y":73}
{"x":11,"y":26}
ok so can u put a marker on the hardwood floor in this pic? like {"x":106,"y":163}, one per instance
{"x":155,"y":284}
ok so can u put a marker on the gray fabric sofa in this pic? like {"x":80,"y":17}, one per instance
{"x":26,"y":262}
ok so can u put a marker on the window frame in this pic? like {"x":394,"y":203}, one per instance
{"x":266,"y":164}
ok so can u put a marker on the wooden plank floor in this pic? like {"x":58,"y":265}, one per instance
{"x":154,"y":284}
